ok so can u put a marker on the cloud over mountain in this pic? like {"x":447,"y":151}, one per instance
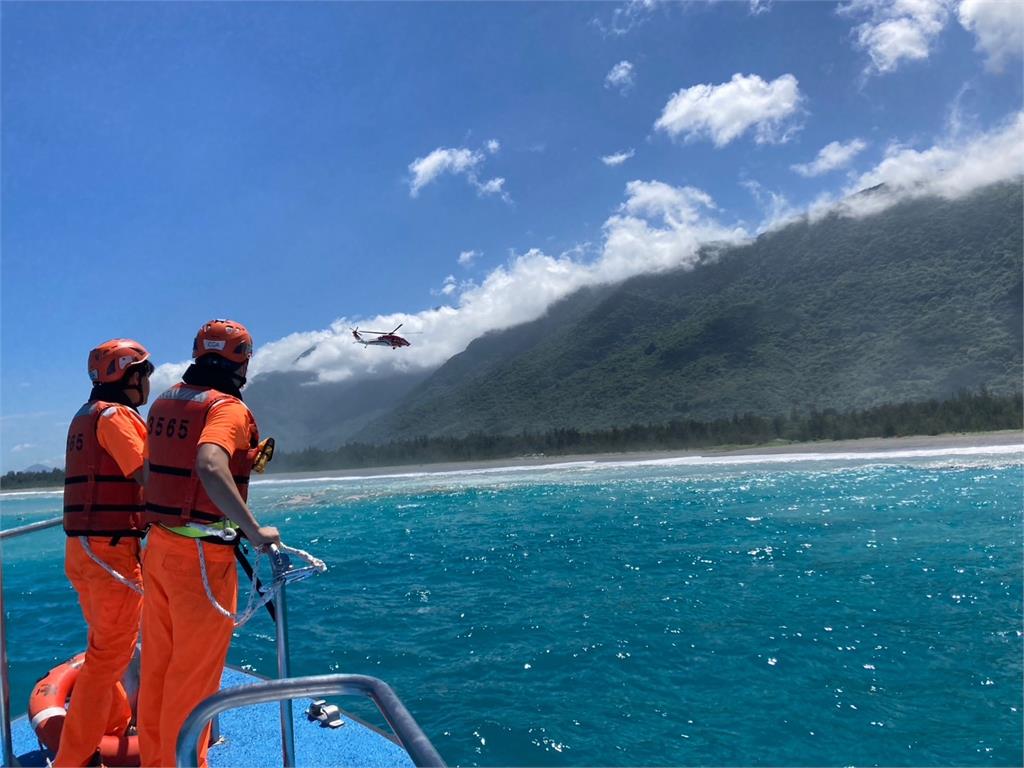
{"x":951,"y":168}
{"x":657,"y":227}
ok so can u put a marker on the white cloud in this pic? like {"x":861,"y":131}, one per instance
{"x":426,"y":169}
{"x":466,"y":258}
{"x":757,"y":7}
{"x":31,"y":437}
{"x":490,"y":187}
{"x":169,"y":374}
{"x":724,"y":112}
{"x":459,"y":162}
{"x":620,"y":76}
{"x":618,"y":158}
{"x":957,"y":117}
{"x":998,"y":26}
{"x":832,"y":156}
{"x":657,"y":227}
{"x":952,"y":168}
{"x":579,"y":251}
{"x":660,"y":227}
{"x":776,"y":207}
{"x":897,"y":30}
{"x":658,"y":200}
{"x":627,"y":17}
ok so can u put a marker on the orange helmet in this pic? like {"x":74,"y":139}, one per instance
{"x":109,"y":361}
{"x":225,"y":338}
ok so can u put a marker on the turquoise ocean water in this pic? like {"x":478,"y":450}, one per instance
{"x":786,"y":610}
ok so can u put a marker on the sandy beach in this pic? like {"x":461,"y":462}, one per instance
{"x":865,"y":445}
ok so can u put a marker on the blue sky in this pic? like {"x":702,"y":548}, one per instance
{"x":457,"y":167}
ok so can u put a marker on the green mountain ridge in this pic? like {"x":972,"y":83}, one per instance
{"x":300,"y":412}
{"x":920,"y":301}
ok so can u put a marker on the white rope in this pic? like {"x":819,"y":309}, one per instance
{"x":280,"y":578}
{"x":290,"y":574}
{"x":133,"y":585}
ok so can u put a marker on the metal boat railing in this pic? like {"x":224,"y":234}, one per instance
{"x":283,"y":690}
{"x":409,"y":734}
{"x":5,"y":683}
{"x":287,"y":726}
{"x":7,"y":751}
{"x":11,"y":533}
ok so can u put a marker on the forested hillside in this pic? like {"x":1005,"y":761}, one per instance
{"x":918,"y":302}
{"x":300,"y":413}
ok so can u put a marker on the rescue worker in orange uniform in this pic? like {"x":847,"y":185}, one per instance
{"x":202,"y":444}
{"x":103,"y":505}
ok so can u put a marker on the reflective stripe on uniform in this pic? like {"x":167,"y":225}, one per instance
{"x":197,"y":533}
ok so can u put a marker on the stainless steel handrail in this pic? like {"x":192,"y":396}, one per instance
{"x":11,"y":533}
{"x":5,"y":686}
{"x":409,"y":734}
{"x":283,"y":671}
{"x":7,"y":746}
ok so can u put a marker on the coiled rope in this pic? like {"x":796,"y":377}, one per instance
{"x":282,"y":573}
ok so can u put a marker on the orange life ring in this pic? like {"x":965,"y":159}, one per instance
{"x":47,"y":710}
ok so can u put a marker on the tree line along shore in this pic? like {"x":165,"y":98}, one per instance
{"x":964,"y":412}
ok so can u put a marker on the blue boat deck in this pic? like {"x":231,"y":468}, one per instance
{"x":251,"y":736}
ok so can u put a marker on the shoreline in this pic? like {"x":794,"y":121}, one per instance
{"x":1007,"y":437}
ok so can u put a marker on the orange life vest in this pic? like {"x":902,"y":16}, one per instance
{"x":174,"y":492}
{"x":98,"y":499}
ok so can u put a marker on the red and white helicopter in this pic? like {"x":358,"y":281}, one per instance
{"x":384,"y":338}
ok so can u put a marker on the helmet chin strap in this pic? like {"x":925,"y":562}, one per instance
{"x":137,"y":387}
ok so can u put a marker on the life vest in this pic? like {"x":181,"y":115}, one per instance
{"x":98,"y":499}
{"x":174,"y":492}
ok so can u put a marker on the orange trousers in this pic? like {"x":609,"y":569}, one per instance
{"x":99,"y":704}
{"x":184,"y":639}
